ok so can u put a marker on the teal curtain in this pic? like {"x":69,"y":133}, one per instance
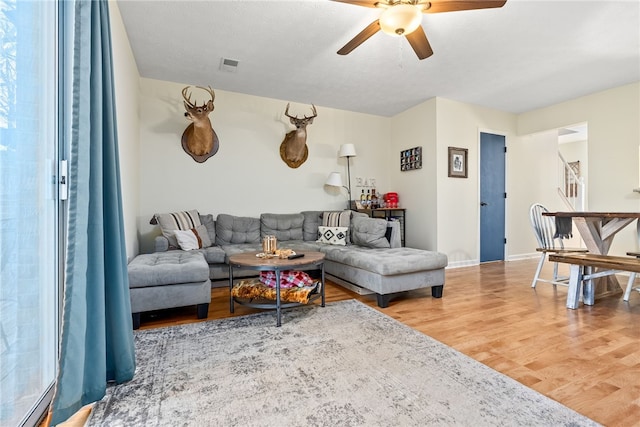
{"x":97,"y":337}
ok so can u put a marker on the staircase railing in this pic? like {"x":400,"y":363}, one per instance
{"x":571,"y":187}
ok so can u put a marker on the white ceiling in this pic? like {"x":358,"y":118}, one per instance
{"x":526,"y":55}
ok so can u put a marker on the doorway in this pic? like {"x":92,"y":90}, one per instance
{"x":492,"y":197}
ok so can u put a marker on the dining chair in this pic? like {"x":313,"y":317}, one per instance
{"x":544,"y":228}
{"x":632,"y":279}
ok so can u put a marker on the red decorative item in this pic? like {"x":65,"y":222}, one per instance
{"x":391,"y":200}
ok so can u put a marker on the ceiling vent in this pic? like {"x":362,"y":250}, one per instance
{"x":228,"y":65}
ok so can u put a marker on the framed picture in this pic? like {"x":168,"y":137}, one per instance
{"x":458,"y":162}
{"x":411,"y":159}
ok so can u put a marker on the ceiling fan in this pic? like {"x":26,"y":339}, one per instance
{"x":404,"y":18}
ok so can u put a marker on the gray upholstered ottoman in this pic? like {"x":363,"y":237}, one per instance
{"x":169,"y":279}
{"x":387,"y":271}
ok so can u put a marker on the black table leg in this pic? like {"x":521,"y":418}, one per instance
{"x":231,"y":308}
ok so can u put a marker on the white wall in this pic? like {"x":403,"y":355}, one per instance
{"x":532,"y":178}
{"x":246,"y":176}
{"x":126,"y":78}
{"x":458,"y":199}
{"x":417,"y":189}
{"x":443,"y":212}
{"x":613,"y":117}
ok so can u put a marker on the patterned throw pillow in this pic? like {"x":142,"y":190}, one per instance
{"x":184,"y":220}
{"x":338,"y":219}
{"x":332,"y":235}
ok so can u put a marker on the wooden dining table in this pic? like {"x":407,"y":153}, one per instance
{"x":597,"y":230}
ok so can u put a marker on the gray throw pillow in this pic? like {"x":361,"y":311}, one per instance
{"x":369,"y":232}
{"x":210,"y":224}
{"x":204,"y":236}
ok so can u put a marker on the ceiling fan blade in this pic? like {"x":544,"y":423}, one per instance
{"x":419,"y":43}
{"x":362,"y":36}
{"x":438,"y":6}
{"x":365,"y":3}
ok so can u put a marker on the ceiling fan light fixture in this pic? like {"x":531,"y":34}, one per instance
{"x":400,"y":20}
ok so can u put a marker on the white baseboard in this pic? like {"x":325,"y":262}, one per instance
{"x":472,"y":262}
{"x":520,"y":257}
{"x":463,"y":263}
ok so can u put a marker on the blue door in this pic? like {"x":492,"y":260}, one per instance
{"x":492,"y":197}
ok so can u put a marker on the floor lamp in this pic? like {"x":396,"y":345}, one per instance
{"x":348,"y":151}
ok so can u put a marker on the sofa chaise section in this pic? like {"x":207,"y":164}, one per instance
{"x":387,"y":271}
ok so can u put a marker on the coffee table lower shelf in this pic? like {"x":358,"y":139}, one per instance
{"x":258,"y":295}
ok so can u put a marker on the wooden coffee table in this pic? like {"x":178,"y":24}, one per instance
{"x":250,"y":260}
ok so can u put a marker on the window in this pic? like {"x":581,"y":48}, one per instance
{"x":29,"y":255}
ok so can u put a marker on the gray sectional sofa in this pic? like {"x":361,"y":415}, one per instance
{"x":371,"y":259}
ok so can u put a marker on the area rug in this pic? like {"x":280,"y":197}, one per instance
{"x":342,"y":365}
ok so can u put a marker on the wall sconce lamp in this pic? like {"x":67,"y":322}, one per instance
{"x":335,"y":180}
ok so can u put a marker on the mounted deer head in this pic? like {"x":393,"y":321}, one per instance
{"x":199,"y":139}
{"x":293,"y":149}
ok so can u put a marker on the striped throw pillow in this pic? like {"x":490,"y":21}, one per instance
{"x":183,"y":220}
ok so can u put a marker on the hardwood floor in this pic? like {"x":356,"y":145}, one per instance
{"x":588,"y":359}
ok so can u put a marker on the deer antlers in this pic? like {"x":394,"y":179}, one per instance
{"x":187,"y":97}
{"x":313,"y":108}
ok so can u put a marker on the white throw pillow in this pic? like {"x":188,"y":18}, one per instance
{"x":187,"y":240}
{"x":332,"y":235}
{"x":183,"y":220}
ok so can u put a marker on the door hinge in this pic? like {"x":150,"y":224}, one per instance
{"x":505,"y":195}
{"x":64,"y":180}
{"x":505,"y":240}
{"x":505,"y":149}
